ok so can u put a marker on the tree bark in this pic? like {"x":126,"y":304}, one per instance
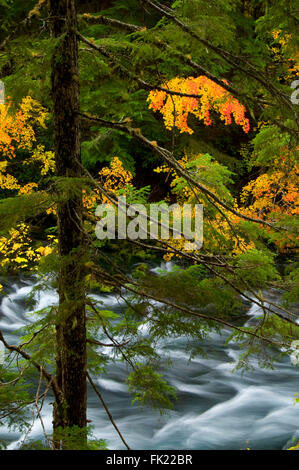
{"x":70,"y":325}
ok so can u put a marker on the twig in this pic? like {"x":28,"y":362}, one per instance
{"x":106,"y":409}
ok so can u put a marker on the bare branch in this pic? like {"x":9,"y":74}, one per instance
{"x":99,"y":343}
{"x":142,"y":293}
{"x":39,"y":408}
{"x":107,"y":410}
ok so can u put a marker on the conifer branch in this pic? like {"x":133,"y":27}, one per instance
{"x":147,"y":86}
{"x":187,"y":59}
{"x":112,"y":345}
{"x":35,"y":11}
{"x":49,"y":378}
{"x":230,"y":58}
{"x":135,"y":289}
{"x":168,"y":157}
{"x":100,"y":19}
{"x":143,"y":84}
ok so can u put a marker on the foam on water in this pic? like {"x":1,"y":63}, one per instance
{"x":112,"y":385}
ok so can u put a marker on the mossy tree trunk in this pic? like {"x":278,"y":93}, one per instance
{"x":70,"y":326}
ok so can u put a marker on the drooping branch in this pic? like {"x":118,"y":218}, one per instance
{"x":14,"y":381}
{"x":148,"y":86}
{"x":142,"y":83}
{"x":185,"y":58}
{"x":135,"y":289}
{"x":21,"y":406}
{"x":210,"y":262}
{"x":116,"y":343}
{"x":167,"y":247}
{"x":36,"y":333}
{"x":107,"y":410}
{"x":39,"y":409}
{"x":113,"y":199}
{"x":211,"y":265}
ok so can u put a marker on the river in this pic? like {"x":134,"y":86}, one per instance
{"x":216,"y":408}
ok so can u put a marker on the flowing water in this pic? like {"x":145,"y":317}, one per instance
{"x":216,"y":408}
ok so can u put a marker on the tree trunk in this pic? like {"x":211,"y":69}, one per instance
{"x":70,"y":325}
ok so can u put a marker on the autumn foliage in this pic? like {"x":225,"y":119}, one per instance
{"x":18,"y":141}
{"x":176,"y":109}
{"x":18,"y":133}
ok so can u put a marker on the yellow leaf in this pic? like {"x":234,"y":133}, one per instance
{"x":18,"y":259}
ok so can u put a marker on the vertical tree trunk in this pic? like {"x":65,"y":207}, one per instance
{"x":70,"y":327}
